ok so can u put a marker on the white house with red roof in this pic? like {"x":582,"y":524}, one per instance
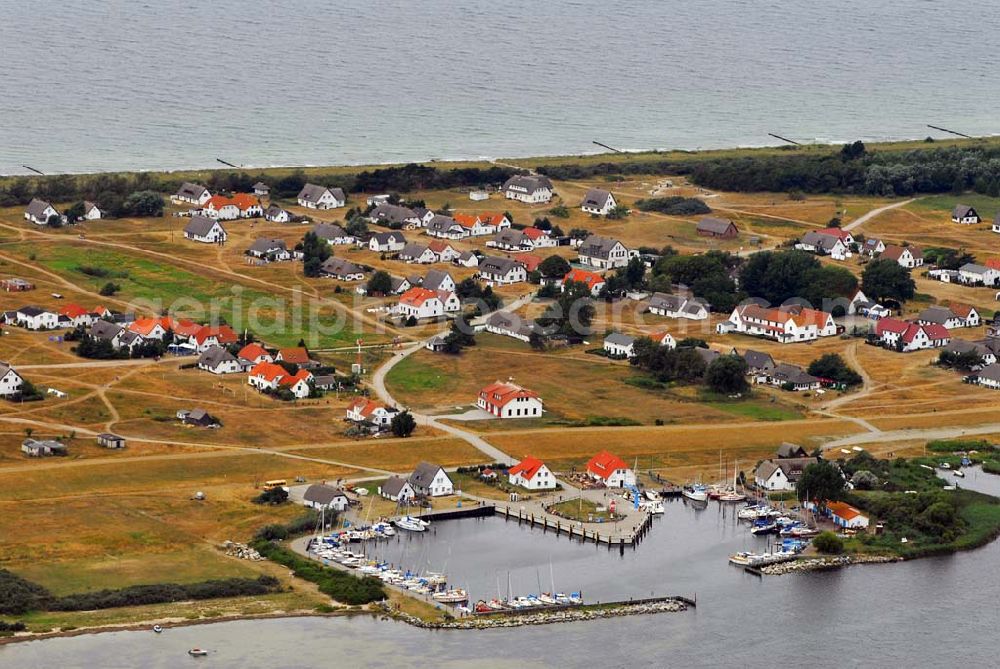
{"x":240,"y":205}
{"x":843,"y":235}
{"x":269,"y":376}
{"x":213,"y":335}
{"x":420,"y":303}
{"x":254,"y":353}
{"x":611,"y":470}
{"x":509,"y":400}
{"x":907,"y":336}
{"x":845,"y":515}
{"x":148,"y":328}
{"x":78,"y":315}
{"x":531,"y":473}
{"x":540,"y":239}
{"x":594,"y":281}
{"x":445,"y":251}
{"x":784,"y":325}
{"x":364,"y":410}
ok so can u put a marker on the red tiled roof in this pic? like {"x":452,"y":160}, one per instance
{"x":253,"y":351}
{"x":936,"y":331}
{"x":439,"y":246}
{"x":993,"y":263}
{"x":960,"y":309}
{"x":292,"y":379}
{"x":890,"y":324}
{"x":73,"y":311}
{"x":530,"y":261}
{"x":367,"y":407}
{"x":604,"y":464}
{"x":843,"y":510}
{"x":242,"y":201}
{"x":527,"y":467}
{"x":223,"y":334}
{"x":296,"y":355}
{"x":534,"y":233}
{"x":592,"y":279}
{"x":499,"y":393}
{"x":143,"y":326}
{"x":268,"y":371}
{"x":416,"y":296}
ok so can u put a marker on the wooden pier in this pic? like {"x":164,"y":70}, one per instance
{"x":612,"y":537}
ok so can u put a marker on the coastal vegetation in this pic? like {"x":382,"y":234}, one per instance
{"x":777,"y":276}
{"x":340,"y":585}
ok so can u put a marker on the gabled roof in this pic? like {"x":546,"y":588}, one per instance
{"x":843,"y":510}
{"x":839,"y":233}
{"x":340,"y":267}
{"x":500,"y":393}
{"x":595,"y":246}
{"x":717,"y":226}
{"x":527,"y":468}
{"x":424,"y":474}
{"x":596,"y":197}
{"x":73,"y":311}
{"x":442,"y":223}
{"x":320,"y":493}
{"x":393,"y":213}
{"x":367,"y":407}
{"x":329,"y":231}
{"x":214,"y":356}
{"x":439,"y":246}
{"x":413,"y":250}
{"x":105,"y":330}
{"x":383,"y":238}
{"x":935,"y":314}
{"x":36,"y":208}
{"x":253,"y":351}
{"x":393,"y":486}
{"x":619,"y":339}
{"x":497,"y":265}
{"x":201,"y":225}
{"x":435,"y":278}
{"x":416,"y":296}
{"x":592,"y":279}
{"x":222,"y":333}
{"x":313,"y":193}
{"x":191,"y":190}
{"x":269,"y":371}
{"x":758,"y":359}
{"x":894,"y":252}
{"x":990,"y":372}
{"x":268,"y":244}
{"x":604,"y":464}
{"x":296,"y":355}
{"x":242,"y":201}
{"x":529,"y":182}
{"x":962,"y":211}
{"x":144,"y":326}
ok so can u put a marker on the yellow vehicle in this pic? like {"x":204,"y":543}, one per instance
{"x":276,"y":483}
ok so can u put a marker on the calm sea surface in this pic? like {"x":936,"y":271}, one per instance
{"x":939,"y":612}
{"x":164,"y":84}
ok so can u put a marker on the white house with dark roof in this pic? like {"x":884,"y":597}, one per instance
{"x":10,"y":381}
{"x":604,"y":253}
{"x":782,"y":473}
{"x":345,"y":270}
{"x":529,"y":188}
{"x":446,"y":227}
{"x":397,"y":489}
{"x":824,"y":244}
{"x":431,"y":480}
{"x":989,"y":377}
{"x":275,"y":214}
{"x":313,"y":196}
{"x":507,"y":324}
{"x":261,"y":189}
{"x":501,"y":271}
{"x":218,"y":360}
{"x":395,"y":215}
{"x":269,"y":248}
{"x":598,"y":202}
{"x":91,"y":212}
{"x":39,"y":211}
{"x":322,"y":496}
{"x":619,"y":345}
{"x":192,"y":194}
{"x":906,"y":256}
{"x":205,"y":230}
{"x":332,"y":234}
{"x":386,"y":242}
{"x":965,"y":215}
{"x":467,"y":259}
{"x":677,"y":306}
{"x":417,"y":253}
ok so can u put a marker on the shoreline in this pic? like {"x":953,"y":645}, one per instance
{"x":816,"y":144}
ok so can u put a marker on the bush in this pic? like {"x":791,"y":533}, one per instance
{"x":140,"y":595}
{"x":272,"y":533}
{"x":829,"y":543}
{"x":675,"y":205}
{"x":341,"y":586}
{"x":272,"y":497}
{"x":18,"y":595}
{"x":110,"y":288}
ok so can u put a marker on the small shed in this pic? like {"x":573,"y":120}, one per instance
{"x":108,"y":440}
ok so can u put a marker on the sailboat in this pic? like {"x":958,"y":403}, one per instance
{"x":733,"y":495}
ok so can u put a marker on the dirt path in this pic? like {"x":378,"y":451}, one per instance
{"x":828,"y":409}
{"x":864,"y":218}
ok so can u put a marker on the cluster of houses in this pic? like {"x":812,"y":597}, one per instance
{"x":929,"y":329}
{"x":970,"y":274}
{"x":785,"y":324}
{"x":268,"y":371}
{"x":963,"y":214}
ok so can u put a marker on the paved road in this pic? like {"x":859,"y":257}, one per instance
{"x":924,"y":434}
{"x":864,"y":218}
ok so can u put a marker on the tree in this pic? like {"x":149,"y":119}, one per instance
{"x":727,"y":374}
{"x":778,"y":276}
{"x":554,"y":267}
{"x":143,"y":203}
{"x":315,"y":252}
{"x":887,"y":279}
{"x":618,"y":213}
{"x":54,"y":221}
{"x":829,"y":543}
{"x":356,"y":226}
{"x":820,"y":481}
{"x":403,"y":424}
{"x":272,"y":497}
{"x":74,"y":213}
{"x":460,"y":337}
{"x":109,"y":289}
{"x":674,"y":205}
{"x":380,"y":283}
{"x":964,"y":360}
{"x":864,"y":480}
{"x":832,"y":366}
{"x":853,"y":151}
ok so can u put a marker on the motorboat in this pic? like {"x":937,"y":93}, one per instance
{"x":456,"y":596}
{"x":157,"y":629}
{"x":959,"y":473}
{"x":696,"y":493}
{"x":742,"y":559}
{"x":732,"y":497}
{"x":411,"y":524}
{"x":384,"y":529}
{"x":945,"y":465}
{"x":655,"y":508}
{"x":761,"y":527}
{"x":197,"y":652}
{"x":652,"y":495}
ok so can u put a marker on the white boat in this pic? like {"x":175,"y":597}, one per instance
{"x":435,"y":578}
{"x":655,"y":508}
{"x":959,"y":473}
{"x":197,"y":652}
{"x":945,"y":465}
{"x":411,"y":525}
{"x":546,"y":598}
{"x":696,"y":493}
{"x":157,"y":629}
{"x":456,"y":596}
{"x":384,"y":529}
{"x":652,"y":496}
{"x":732,"y":497}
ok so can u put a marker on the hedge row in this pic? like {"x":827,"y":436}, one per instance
{"x":339,"y":585}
